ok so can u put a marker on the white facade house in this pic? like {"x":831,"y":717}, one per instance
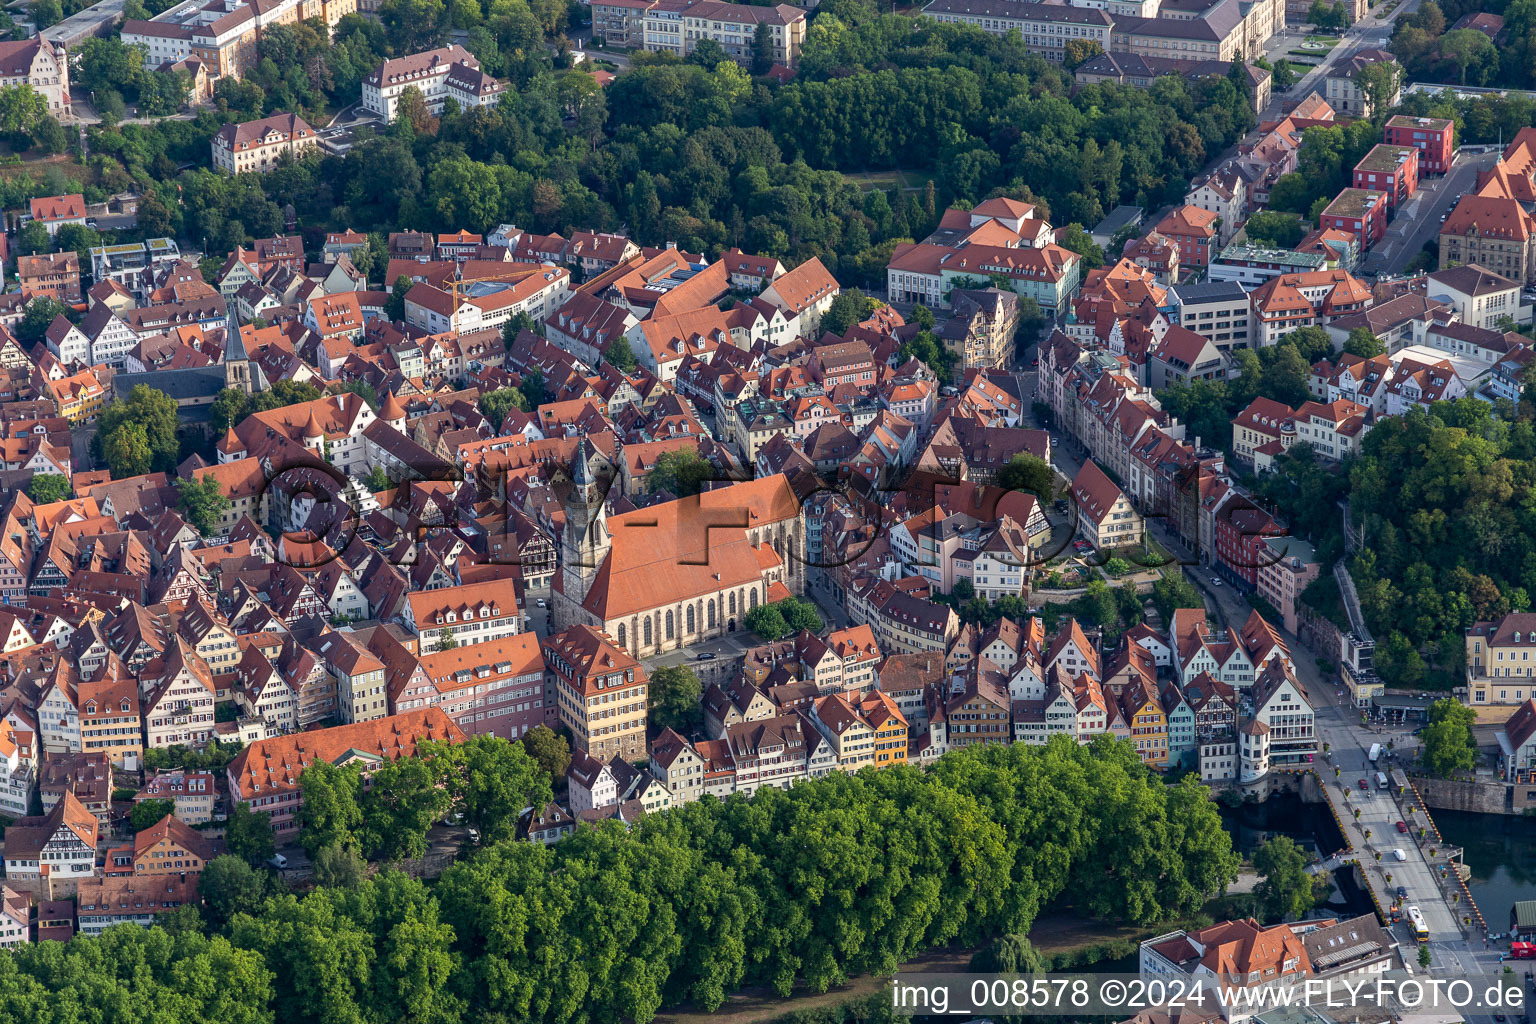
{"x":447,"y":73}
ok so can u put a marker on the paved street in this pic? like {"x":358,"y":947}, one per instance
{"x":1418,"y":222}
{"x":1339,"y":726}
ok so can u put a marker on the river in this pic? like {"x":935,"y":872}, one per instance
{"x":1311,"y":826}
{"x":1501,"y":851}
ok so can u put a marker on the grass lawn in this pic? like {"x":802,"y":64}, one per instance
{"x":1323,"y":42}
{"x":907,"y":181}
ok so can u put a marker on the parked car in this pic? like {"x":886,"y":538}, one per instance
{"x":708,"y":656}
{"x":277,"y":861}
{"x":1215,"y":581}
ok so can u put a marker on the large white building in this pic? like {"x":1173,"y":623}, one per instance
{"x":222,"y":34}
{"x":447,"y":73}
{"x":36,"y":62}
{"x":256,"y":145}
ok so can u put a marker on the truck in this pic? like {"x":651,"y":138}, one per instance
{"x":1375,"y":752}
{"x":1381,"y":780}
{"x":1520,"y":951}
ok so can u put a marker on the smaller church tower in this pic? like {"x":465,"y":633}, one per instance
{"x":585,"y":541}
{"x":314,"y":436}
{"x":237,"y":363}
{"x":230,"y":449}
{"x":392,"y":412}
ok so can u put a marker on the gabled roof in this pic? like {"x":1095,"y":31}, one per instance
{"x":274,"y":765}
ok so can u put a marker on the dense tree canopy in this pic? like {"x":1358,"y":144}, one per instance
{"x":1450,"y":749}
{"x":839,"y":875}
{"x":678,"y":151}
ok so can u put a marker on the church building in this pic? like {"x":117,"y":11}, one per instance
{"x":675,"y":574}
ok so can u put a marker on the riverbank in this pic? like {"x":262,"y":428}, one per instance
{"x":1064,"y":938}
{"x":1500,"y":850}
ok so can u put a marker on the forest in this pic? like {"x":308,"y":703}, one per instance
{"x":697,"y":152}
{"x":840,"y":875}
{"x":1431,"y":48}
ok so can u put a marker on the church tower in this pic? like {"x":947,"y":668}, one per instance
{"x":237,"y":363}
{"x":585,"y":541}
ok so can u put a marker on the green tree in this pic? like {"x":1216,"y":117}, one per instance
{"x":517,"y":324}
{"x":926,"y":348}
{"x":492,"y":781}
{"x":377,"y":480}
{"x":682,"y":472}
{"x":248,"y":835}
{"x":77,"y":238}
{"x":149,"y":812}
{"x":1361,"y":342}
{"x":394,"y":309}
{"x":708,"y":54}
{"x":620,"y":356}
{"x":1030,"y":474}
{"x":399,"y":806}
{"x":848,"y":309}
{"x":21,"y":106}
{"x":446,"y":641}
{"x":1287,"y":378}
{"x":1009,"y":954}
{"x":1080,"y":51}
{"x":762,"y":49}
{"x":1449,"y":746}
{"x":496,"y":404}
{"x":675,"y":693}
{"x":799,"y":615}
{"x":33,"y":238}
{"x":1287,"y":892}
{"x":40,"y":315}
{"x":1329,"y":17}
{"x":46,"y":488}
{"x":1425,"y":957}
{"x":1173,"y":591}
{"x":325,"y":959}
{"x":767,"y":622}
{"x":1381,"y":83}
{"x":1469,"y":51}
{"x":203,"y":503}
{"x":1076,"y":238}
{"x":550,"y":749}
{"x":228,"y":409}
{"x":1276,"y":230}
{"x":150,"y":413}
{"x":127,"y":451}
{"x":229,"y":885}
{"x":331,"y":814}
{"x":340,"y":867}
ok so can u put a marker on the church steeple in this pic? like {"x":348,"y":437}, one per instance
{"x":585,"y":541}
{"x":237,"y":363}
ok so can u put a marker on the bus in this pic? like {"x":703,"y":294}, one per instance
{"x":1416,"y":922}
{"x":1375,"y":752}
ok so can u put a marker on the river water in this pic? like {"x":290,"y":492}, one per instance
{"x":1501,"y":851}
{"x":1311,"y":826}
